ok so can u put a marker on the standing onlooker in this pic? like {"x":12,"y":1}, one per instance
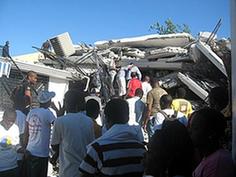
{"x":153,"y":100}
{"x":21,"y":122}
{"x":92,"y":110}
{"x":133,"y":84}
{"x":9,"y":144}
{"x":95,"y":94}
{"x":71,"y":134}
{"x":137,"y":109}
{"x":170,"y":151}
{"x":219,"y":100}
{"x":181,"y":104}
{"x":207,"y":128}
{"x":38,"y":132}
{"x":167,"y":112}
{"x":118,"y":152}
{"x":146,"y":86}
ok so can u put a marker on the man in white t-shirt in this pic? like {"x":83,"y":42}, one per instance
{"x":71,"y":134}
{"x":133,"y":68}
{"x":146,"y":86}
{"x":137,"y":108}
{"x":38,"y":131}
{"x":9,"y":144}
{"x":121,"y":81}
{"x":167,"y":112}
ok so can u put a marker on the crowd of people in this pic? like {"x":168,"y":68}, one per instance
{"x":143,"y":130}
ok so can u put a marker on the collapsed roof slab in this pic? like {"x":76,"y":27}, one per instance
{"x":161,"y":65}
{"x":43,"y":70}
{"x":148,"y":41}
{"x":193,"y":86}
{"x":217,"y":61}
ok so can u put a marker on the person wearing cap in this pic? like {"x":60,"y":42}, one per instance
{"x":37,"y":136}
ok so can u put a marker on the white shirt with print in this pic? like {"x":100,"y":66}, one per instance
{"x":39,"y":121}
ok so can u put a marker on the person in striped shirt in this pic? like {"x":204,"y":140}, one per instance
{"x":120,"y":151}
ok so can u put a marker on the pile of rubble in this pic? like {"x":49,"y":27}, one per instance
{"x":176,"y":59}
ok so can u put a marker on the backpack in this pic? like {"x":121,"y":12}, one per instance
{"x":169,"y":117}
{"x":151,"y":123}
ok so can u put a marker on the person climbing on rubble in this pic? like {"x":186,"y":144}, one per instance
{"x":46,"y":47}
{"x":146,"y":86}
{"x":153,"y":102}
{"x":132,"y":68}
{"x":133,"y":84}
{"x":121,"y":82}
{"x":5,"y":50}
{"x":112,"y":71}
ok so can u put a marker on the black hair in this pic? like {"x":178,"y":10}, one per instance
{"x":165,"y":101}
{"x":92,"y":108}
{"x":154,"y":82}
{"x":117,"y":111}
{"x":214,"y":121}
{"x":218,"y":98}
{"x":170,"y":149}
{"x":8,"y":112}
{"x":211,"y":123}
{"x":30,"y":73}
{"x":133,"y":74}
{"x":181,"y":92}
{"x":139,"y":92}
{"x":74,"y":101}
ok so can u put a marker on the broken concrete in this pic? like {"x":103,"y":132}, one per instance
{"x":176,"y":59}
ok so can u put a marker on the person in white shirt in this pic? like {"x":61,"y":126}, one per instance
{"x":121,"y":81}
{"x":132,"y":68}
{"x":137,"y":108}
{"x":38,"y":132}
{"x":21,"y":110}
{"x":167,"y":112}
{"x":71,"y":134}
{"x":146,"y":86}
{"x":9,"y":144}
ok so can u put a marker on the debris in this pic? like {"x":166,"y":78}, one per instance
{"x":176,"y":59}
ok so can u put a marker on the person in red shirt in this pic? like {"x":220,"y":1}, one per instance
{"x":133,"y":84}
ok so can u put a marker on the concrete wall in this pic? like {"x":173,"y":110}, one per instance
{"x":59,"y":86}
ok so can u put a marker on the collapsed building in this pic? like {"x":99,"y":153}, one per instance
{"x":177,"y":60}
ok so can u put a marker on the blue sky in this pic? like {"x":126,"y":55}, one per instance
{"x":27,"y":23}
